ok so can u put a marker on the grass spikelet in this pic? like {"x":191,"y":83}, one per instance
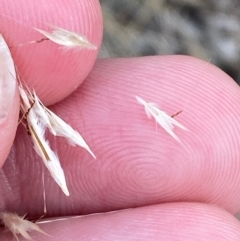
{"x":67,"y":38}
{"x":162,"y":118}
{"x":18,"y":225}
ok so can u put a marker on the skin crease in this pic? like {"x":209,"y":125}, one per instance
{"x":137,"y":164}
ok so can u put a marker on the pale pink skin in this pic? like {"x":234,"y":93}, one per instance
{"x":185,"y":189}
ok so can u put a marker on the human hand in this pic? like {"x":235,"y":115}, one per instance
{"x":138,"y":165}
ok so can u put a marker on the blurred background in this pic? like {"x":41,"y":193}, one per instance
{"x":207,"y":29}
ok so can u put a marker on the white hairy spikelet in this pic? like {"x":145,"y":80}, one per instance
{"x":58,"y":127}
{"x":162,"y":118}
{"x":66,"y":38}
{"x":19,"y":225}
{"x":41,"y":145}
{"x":39,"y":118}
{"x":49,"y":158}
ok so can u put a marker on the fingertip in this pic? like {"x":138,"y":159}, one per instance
{"x":175,"y":221}
{"x":9,"y":101}
{"x":145,"y":160}
{"x":53,"y":72}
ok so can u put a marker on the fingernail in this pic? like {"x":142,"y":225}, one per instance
{"x":7,"y":81}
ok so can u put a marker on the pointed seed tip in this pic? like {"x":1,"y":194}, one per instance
{"x":65,"y":190}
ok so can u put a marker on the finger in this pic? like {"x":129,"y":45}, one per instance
{"x":176,"y":221}
{"x":9,"y":102}
{"x":53,"y":72}
{"x":138,"y":164}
